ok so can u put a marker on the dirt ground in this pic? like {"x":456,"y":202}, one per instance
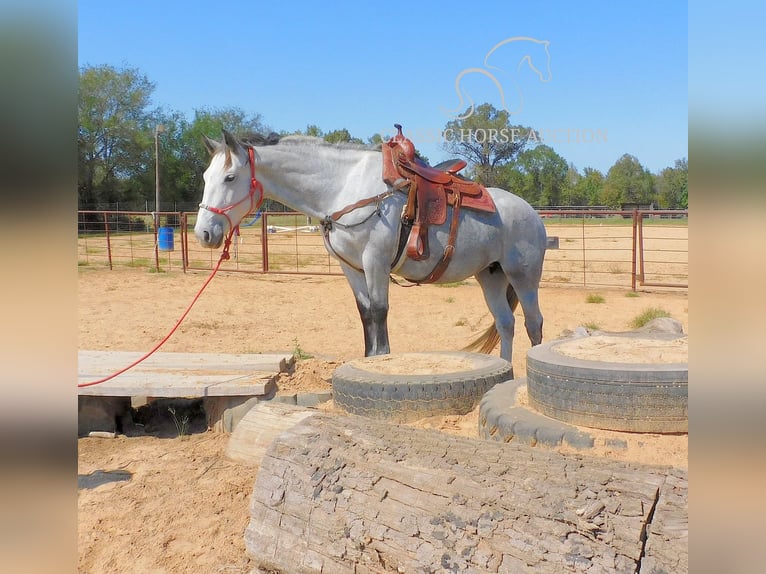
{"x":154,"y":501}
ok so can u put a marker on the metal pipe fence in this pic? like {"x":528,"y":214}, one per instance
{"x":586,"y":248}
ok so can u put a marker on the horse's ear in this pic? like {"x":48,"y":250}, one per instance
{"x":232,"y":143}
{"x":212,"y":146}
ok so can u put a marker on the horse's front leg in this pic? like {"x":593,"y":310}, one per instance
{"x":372,"y":303}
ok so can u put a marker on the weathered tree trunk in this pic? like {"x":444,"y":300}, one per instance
{"x":345,"y":494}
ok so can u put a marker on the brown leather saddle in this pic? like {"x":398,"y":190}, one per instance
{"x":431,"y":190}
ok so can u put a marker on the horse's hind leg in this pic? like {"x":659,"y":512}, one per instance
{"x":494,"y":285}
{"x":526,"y":288}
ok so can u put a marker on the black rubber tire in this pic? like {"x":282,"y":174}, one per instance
{"x":633,"y":397}
{"x":406,"y":398}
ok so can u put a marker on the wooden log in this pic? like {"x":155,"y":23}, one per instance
{"x":256,"y":430}
{"x":347,"y":494}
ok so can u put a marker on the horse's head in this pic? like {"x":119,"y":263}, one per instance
{"x":230,"y":188}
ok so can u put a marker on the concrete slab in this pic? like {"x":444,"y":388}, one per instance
{"x":181,"y":374}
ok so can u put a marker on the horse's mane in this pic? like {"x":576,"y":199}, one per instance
{"x":301,"y":140}
{"x":255,"y":139}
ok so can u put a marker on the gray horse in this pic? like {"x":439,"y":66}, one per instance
{"x":342,"y":186}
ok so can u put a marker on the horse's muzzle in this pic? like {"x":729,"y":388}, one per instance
{"x":210,"y":236}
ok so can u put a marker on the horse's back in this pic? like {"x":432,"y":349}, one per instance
{"x":519,"y":220}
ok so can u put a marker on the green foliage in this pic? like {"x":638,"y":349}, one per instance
{"x":298,"y":351}
{"x":587,"y":190}
{"x":673,"y":186}
{"x":314,"y":131}
{"x":113,"y":141}
{"x":651,"y":313}
{"x":627,"y":182}
{"x":376,"y":139}
{"x":119,"y":136}
{"x":487,"y":140}
{"x":182,"y":423}
{"x":341,"y":136}
{"x":541,"y":176}
{"x":594,"y":298}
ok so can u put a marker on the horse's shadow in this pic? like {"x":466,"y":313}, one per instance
{"x":495,"y":74}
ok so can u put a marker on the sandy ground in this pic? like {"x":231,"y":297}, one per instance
{"x":156,"y":502}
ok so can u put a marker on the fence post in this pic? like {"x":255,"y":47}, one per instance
{"x":108,"y":240}
{"x":184,"y":240}
{"x":156,"y":242}
{"x":584,"y":265}
{"x":265,"y":241}
{"x":633,"y":254}
{"x":641,"y":249}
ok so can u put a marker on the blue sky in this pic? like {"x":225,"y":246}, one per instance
{"x":617,"y":81}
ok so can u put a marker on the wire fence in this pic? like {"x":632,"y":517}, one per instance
{"x":587,"y":248}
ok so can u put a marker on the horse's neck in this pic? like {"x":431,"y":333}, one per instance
{"x":315,"y":180}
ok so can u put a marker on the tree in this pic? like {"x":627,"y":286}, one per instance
{"x":588,"y":188}
{"x":377,"y":140}
{"x":570,"y":195}
{"x":673,"y":186}
{"x":542,"y":176}
{"x":627,"y":181}
{"x":113,"y":141}
{"x":313,"y":130}
{"x":487,"y":141}
{"x":341,"y":136}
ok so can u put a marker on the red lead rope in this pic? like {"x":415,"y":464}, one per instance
{"x":255,"y":185}
{"x":224,"y":257}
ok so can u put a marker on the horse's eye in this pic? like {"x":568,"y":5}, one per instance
{"x":229,"y":177}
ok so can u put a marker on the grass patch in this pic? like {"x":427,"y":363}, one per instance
{"x":632,"y":294}
{"x":298,"y":351}
{"x":594,"y":298}
{"x":198,"y":264}
{"x":139,"y":263}
{"x":451,"y":285}
{"x":182,"y":424}
{"x":651,"y":313}
{"x":591,"y":326}
{"x":614,"y":269}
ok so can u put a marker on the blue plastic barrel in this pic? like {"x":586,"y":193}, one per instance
{"x":166,"y":239}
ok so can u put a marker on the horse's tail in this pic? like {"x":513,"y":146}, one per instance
{"x":487,"y":341}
